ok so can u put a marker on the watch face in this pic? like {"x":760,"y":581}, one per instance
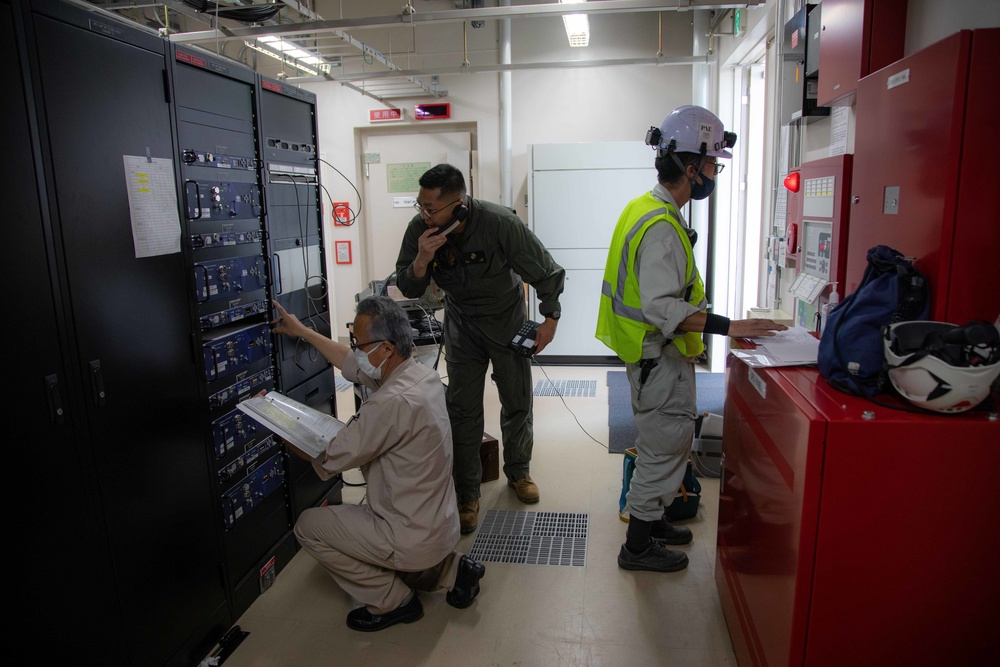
{"x":555,"y":314}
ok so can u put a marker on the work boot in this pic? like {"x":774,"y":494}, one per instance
{"x":364,"y":621}
{"x":468,"y":516}
{"x":656,"y":558}
{"x":525,"y":489}
{"x":466,"y":583}
{"x":668,"y":533}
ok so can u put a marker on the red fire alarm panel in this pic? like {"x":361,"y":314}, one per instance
{"x":341,"y":213}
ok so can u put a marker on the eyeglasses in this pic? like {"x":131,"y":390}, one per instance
{"x":428,"y":212}
{"x":717,"y":166}
{"x":355,"y":346}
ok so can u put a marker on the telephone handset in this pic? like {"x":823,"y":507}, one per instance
{"x":457,"y":218}
{"x":792,"y":239}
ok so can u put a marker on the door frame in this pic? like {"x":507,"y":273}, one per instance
{"x":361,"y":134}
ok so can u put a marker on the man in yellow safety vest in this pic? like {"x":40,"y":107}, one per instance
{"x":652,"y":315}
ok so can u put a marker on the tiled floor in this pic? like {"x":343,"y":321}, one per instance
{"x":544,"y":615}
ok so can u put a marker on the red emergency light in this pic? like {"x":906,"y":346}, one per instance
{"x":792,"y":181}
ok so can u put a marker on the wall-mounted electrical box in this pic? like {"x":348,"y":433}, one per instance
{"x":858,"y":37}
{"x":800,"y":68}
{"x":434,"y":111}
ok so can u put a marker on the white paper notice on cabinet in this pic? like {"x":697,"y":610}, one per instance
{"x":839,"y":120}
{"x":152,"y":203}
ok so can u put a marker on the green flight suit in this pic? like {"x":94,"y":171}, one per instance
{"x":482,"y":271}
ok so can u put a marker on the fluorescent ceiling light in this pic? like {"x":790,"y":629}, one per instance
{"x":577,"y":26}
{"x":288,"y":57}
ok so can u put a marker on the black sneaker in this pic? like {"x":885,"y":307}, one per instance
{"x":466,"y":583}
{"x":668,"y":533}
{"x":657,"y":558}
{"x":364,"y":621}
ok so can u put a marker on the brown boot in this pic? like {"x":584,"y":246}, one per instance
{"x":468,"y":516}
{"x":525,"y":489}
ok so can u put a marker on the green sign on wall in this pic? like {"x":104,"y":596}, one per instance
{"x":405,"y":176}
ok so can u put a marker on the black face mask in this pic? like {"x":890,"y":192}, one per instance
{"x":702,"y":190}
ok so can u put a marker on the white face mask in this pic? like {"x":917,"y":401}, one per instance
{"x":366,"y":366}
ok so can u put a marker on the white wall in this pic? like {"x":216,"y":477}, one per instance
{"x":930,"y":21}
{"x":343,"y":113}
{"x":548,"y":106}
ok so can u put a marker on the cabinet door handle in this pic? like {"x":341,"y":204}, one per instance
{"x":205,"y":277}
{"x":722,"y":473}
{"x":197,"y":200}
{"x":97,"y":384}
{"x":276,"y":263}
{"x":56,"y":413}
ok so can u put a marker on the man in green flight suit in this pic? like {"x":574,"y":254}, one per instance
{"x":480,"y":254}
{"x":652,"y":314}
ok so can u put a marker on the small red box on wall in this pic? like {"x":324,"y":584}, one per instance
{"x":435,"y":111}
{"x":343,"y":251}
{"x":341,"y":213}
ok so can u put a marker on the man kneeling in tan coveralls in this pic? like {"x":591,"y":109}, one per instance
{"x":403,"y":540}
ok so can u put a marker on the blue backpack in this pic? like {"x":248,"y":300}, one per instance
{"x":851,"y":353}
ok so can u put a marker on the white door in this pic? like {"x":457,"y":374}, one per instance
{"x":392,"y":164}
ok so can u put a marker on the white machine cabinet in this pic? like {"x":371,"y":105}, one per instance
{"x":576,"y":192}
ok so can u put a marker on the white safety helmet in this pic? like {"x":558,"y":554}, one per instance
{"x":940,"y":366}
{"x":691,"y":129}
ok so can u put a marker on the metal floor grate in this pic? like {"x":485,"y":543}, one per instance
{"x":566,"y":388}
{"x":532,"y":538}
{"x":342,"y":384}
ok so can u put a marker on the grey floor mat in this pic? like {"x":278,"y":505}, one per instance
{"x":566,"y":388}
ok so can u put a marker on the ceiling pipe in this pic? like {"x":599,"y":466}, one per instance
{"x":475,"y":69}
{"x":461,"y":15}
{"x":506,"y":122}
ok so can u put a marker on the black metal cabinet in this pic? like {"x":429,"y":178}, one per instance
{"x":60,"y":541}
{"x":223,"y":209}
{"x":156,"y":512}
{"x":132,"y":433}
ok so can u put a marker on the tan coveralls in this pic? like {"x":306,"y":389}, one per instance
{"x":406,"y":534}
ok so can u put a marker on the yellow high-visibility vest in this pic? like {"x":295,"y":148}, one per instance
{"x":620,"y":323}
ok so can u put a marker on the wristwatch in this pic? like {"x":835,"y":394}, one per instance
{"x":555,"y":315}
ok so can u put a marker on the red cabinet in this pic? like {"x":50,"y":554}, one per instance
{"x":926,"y":173}
{"x":848,"y":538}
{"x":857,"y":37}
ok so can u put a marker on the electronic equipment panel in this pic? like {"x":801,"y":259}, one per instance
{"x":222,"y":195}
{"x":290,"y":170}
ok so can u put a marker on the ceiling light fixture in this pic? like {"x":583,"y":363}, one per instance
{"x":287,"y":53}
{"x":577,"y":26}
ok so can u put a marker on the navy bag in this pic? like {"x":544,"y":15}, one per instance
{"x":851,"y":353}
